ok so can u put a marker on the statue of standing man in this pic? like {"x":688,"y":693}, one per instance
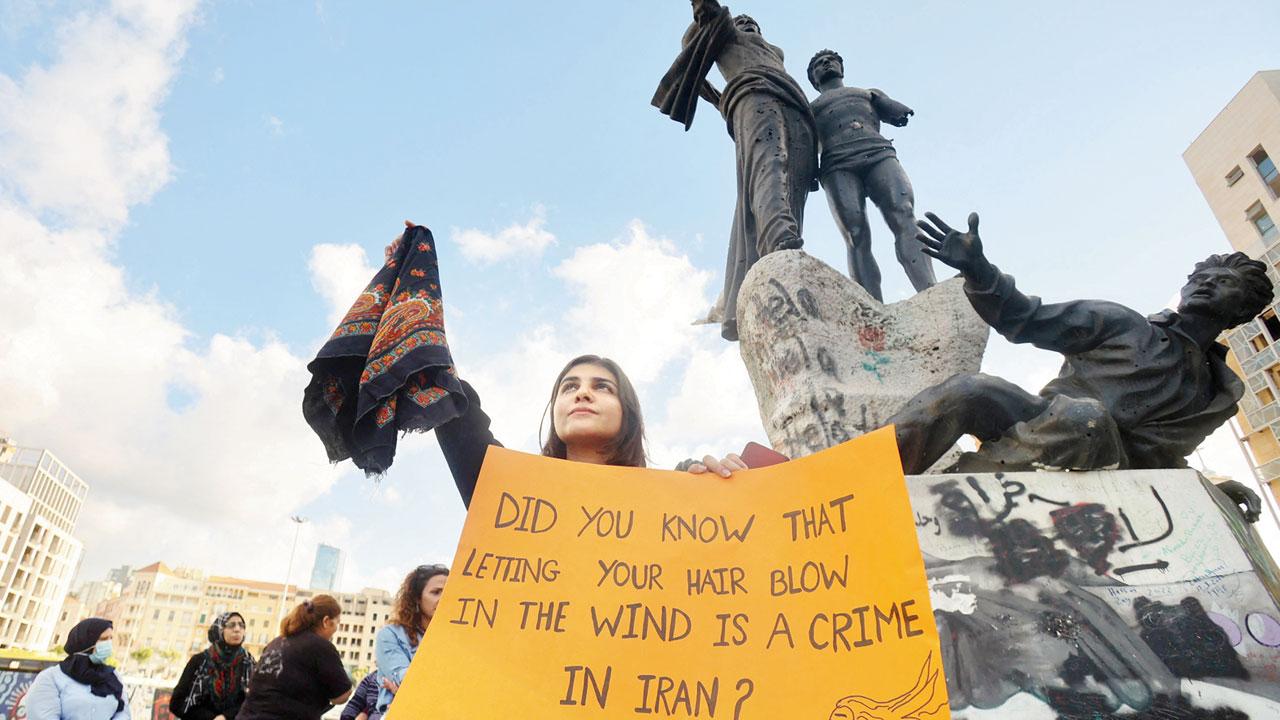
{"x":858,"y":162}
{"x":772,"y":127}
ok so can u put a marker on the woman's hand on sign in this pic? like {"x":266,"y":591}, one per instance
{"x":391,"y":685}
{"x":723,"y":467}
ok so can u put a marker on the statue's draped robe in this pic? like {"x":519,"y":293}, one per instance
{"x":774,"y":134}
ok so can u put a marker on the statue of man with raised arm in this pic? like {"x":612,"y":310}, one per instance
{"x":1134,"y":392}
{"x":859,"y":163}
{"x":772,"y":127}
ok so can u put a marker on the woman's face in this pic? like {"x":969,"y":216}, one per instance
{"x":328,"y":627}
{"x":587,"y":410}
{"x":107,"y":634}
{"x":431,"y":595}
{"x":233,"y":631}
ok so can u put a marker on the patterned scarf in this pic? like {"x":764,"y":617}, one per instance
{"x":387,"y":368}
{"x":224,"y":672}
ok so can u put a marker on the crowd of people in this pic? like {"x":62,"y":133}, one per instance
{"x":300,"y":675}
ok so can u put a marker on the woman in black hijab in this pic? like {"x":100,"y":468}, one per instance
{"x":83,"y":685}
{"x":212,"y":686}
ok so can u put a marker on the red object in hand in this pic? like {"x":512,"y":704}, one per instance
{"x":755,"y":455}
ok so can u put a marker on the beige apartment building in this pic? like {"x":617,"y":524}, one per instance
{"x":363,"y":614}
{"x":40,"y":501}
{"x":1234,"y":162}
{"x":169,"y":610}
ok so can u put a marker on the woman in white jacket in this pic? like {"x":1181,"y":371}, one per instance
{"x":83,"y":686}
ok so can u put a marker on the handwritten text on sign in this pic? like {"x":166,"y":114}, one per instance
{"x":792,"y":591}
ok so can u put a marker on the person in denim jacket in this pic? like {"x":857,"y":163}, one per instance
{"x":398,"y":642}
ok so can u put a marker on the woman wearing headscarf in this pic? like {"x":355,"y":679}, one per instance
{"x":83,"y":686}
{"x":213,"y":685}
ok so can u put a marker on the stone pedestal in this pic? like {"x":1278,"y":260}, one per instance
{"x":1075,"y":594}
{"x":829,"y":362}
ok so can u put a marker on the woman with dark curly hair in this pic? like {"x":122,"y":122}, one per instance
{"x":398,"y":642}
{"x":213,"y":685}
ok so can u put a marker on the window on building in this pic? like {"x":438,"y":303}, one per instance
{"x":1267,"y":169}
{"x":1262,"y":222}
{"x":1271,"y":323}
{"x":1274,"y":372}
{"x":1265,"y":396}
{"x":1234,"y":176}
{"x":1258,"y":342}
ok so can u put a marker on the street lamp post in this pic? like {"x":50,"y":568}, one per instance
{"x":298,"y":520}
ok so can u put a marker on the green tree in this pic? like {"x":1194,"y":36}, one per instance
{"x":140,"y":657}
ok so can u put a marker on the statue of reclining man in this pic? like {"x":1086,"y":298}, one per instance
{"x":1134,"y":392}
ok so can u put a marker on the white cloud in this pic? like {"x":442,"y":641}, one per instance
{"x":633,"y":301}
{"x":339,"y":273}
{"x":484,"y":248}
{"x":218,"y":76}
{"x":275,"y":125}
{"x":713,"y":411}
{"x":80,"y":138}
{"x":87,"y":366}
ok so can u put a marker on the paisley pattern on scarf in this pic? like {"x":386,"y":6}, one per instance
{"x":391,"y":343}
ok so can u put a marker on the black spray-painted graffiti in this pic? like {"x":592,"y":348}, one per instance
{"x":1088,"y":658}
{"x":1022,"y":551}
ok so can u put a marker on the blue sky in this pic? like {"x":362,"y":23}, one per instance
{"x":195,"y":187}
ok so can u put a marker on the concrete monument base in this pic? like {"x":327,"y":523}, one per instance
{"x":1084,"y":594}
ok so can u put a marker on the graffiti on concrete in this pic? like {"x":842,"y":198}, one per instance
{"x":1093,"y":595}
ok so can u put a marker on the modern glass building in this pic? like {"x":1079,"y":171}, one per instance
{"x":326,"y":574}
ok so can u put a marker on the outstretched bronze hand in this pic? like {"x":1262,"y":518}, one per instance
{"x":962,"y":251}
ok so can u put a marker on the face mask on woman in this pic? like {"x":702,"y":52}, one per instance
{"x":101,"y":652}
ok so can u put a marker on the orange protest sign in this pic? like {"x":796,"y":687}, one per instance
{"x":793,"y":591}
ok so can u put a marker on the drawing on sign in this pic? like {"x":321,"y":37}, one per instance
{"x":924,"y":701}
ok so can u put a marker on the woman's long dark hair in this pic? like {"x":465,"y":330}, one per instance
{"x":627,"y":447}
{"x":408,"y":603}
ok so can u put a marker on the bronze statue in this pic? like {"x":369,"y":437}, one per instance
{"x":1134,"y":392}
{"x":774,"y":135}
{"x":859,"y":163}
